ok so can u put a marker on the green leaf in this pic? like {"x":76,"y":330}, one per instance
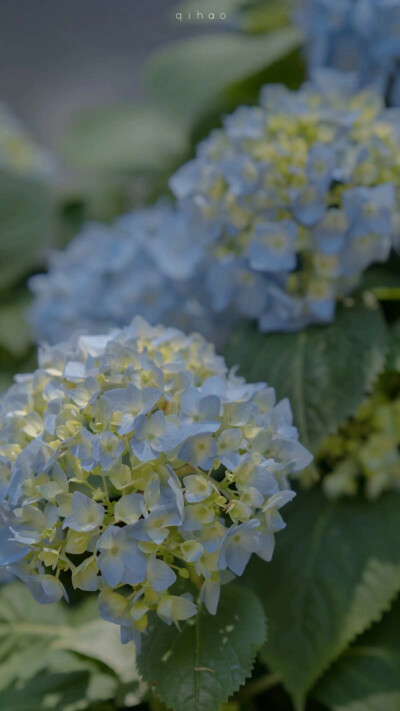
{"x":325,"y":371}
{"x":61,"y":692}
{"x":381,"y":276}
{"x":367,"y":675}
{"x":335,"y":571}
{"x":101,"y":640}
{"x":10,"y":364}
{"x":42,"y":646}
{"x":187,"y":77}
{"x":26,"y":225}
{"x":266,"y":16}
{"x":127,"y":139}
{"x":25,"y":634}
{"x":201,"y":666}
{"x":394,"y":352}
{"x":384,"y":293}
{"x":14,"y":330}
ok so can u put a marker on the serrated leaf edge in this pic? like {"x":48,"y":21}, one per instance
{"x":300,"y":699}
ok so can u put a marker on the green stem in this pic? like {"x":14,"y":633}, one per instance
{"x":390,"y":293}
{"x":194,"y":578}
{"x":105,"y":487}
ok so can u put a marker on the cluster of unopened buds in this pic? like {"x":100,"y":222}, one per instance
{"x":365,"y":453}
{"x":133,"y":459}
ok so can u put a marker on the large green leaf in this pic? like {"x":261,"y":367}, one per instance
{"x":188,"y":77}
{"x":53,"y":692}
{"x":125,"y":139}
{"x":101,"y":641}
{"x":335,"y":571}
{"x":26,"y":225}
{"x":325,"y":371}
{"x":367,"y":675}
{"x":26,"y":633}
{"x":201,"y":666}
{"x":44,"y":649}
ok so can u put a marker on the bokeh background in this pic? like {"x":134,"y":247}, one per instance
{"x":118,"y":93}
{"x":57,"y":58}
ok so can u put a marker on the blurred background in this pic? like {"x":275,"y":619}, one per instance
{"x":100,"y":102}
{"x":57,"y":58}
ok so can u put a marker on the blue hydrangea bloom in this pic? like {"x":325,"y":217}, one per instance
{"x":147,"y":263}
{"x":131,"y":459}
{"x":298,"y":196}
{"x":362,"y":36}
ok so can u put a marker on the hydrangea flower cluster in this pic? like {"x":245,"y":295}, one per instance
{"x":297,"y":197}
{"x":355,"y":35}
{"x":278,"y":215}
{"x":366,"y":451}
{"x":143,"y":265}
{"x":18,"y":153}
{"x":132,"y":459}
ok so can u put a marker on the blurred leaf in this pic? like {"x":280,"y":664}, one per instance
{"x":336,"y":570}
{"x":127,"y":138}
{"x":101,"y":640}
{"x":61,"y":692}
{"x":27,"y":630}
{"x":385,"y":293}
{"x":325,"y":371}
{"x":394,"y":353}
{"x":102,"y":683}
{"x":290,"y":70}
{"x":14,"y":330}
{"x":201,"y":666}
{"x":93,"y":197}
{"x":26,"y":226}
{"x":381,"y":276}
{"x":42,"y":646}
{"x":187,"y":77}
{"x":261,"y":16}
{"x":367,"y":675}
{"x":11,"y":364}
